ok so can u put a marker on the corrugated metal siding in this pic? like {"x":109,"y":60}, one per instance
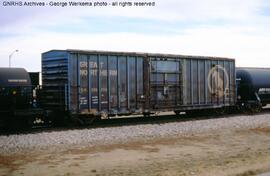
{"x":105,"y":83}
{"x":55,"y":79}
{"x":208,"y":82}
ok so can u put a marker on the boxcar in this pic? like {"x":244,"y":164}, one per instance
{"x":102,"y":83}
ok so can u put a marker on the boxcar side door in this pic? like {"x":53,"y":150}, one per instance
{"x":165,"y":83}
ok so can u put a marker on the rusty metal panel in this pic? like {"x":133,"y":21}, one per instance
{"x":103,"y":81}
{"x":83,"y":99}
{"x":140,"y":81}
{"x":146,"y":84}
{"x":123,"y":82}
{"x":113,"y":83}
{"x":165,"y":83}
{"x":132,"y":82}
{"x":93,"y":81}
{"x":106,"y":83}
{"x":208,"y":82}
{"x":202,"y":82}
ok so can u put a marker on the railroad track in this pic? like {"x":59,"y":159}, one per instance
{"x":130,"y":121}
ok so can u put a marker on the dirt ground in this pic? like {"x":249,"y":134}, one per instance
{"x":230,"y":152}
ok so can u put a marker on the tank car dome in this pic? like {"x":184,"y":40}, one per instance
{"x":14,"y":77}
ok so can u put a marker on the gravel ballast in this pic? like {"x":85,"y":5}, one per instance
{"x":102,"y":136}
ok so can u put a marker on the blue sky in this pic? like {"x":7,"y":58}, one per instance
{"x":226,"y":28}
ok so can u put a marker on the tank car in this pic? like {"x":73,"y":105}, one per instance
{"x":16,"y":98}
{"x":15,"y":88}
{"x":253,"y":90}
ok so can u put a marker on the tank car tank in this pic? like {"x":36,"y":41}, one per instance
{"x":253,"y":86}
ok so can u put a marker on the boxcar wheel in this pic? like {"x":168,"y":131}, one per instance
{"x":177,"y":112}
{"x":146,"y":114}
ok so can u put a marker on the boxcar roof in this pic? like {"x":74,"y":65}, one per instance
{"x":141,"y":54}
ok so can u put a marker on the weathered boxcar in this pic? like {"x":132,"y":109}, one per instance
{"x":96,"y":83}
